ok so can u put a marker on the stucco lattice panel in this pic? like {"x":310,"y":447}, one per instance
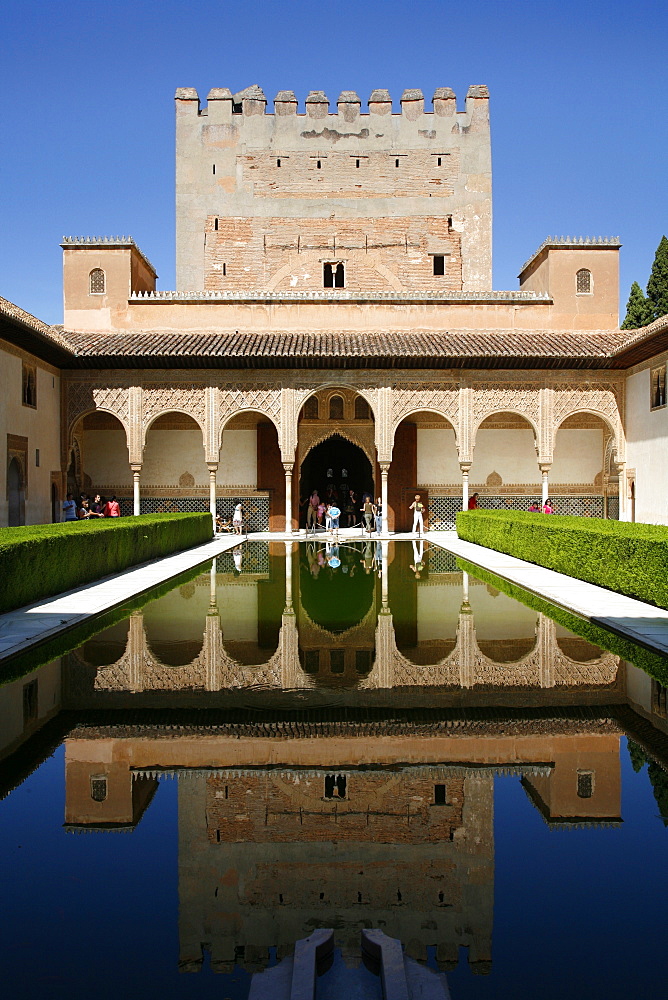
{"x":363,"y":436}
{"x":489,"y":675}
{"x":157,"y":676}
{"x":265,"y":399}
{"x":594,"y":673}
{"x":442,"y":674}
{"x":115,"y":677}
{"x":185,"y":397}
{"x":434,"y":396}
{"x":522,"y":399}
{"x":84,"y":398}
{"x":601,"y":400}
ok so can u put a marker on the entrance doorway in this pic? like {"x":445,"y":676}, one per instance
{"x":334,"y":468}
{"x":16,"y":495}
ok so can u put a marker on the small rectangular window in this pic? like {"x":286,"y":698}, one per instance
{"x":439,"y":795}
{"x":333,"y":275}
{"x":29,"y":385}
{"x":318,"y":164}
{"x":438,"y":161}
{"x":214,"y":168}
{"x":585,"y":784}
{"x":224,"y":270}
{"x":658,"y":387}
{"x":37,"y":457}
{"x":439,"y":265}
{"x":98,"y":787}
{"x":215,"y":224}
{"x":396,"y":163}
{"x":278,"y":162}
{"x":337,"y":661}
{"x":357,"y":163}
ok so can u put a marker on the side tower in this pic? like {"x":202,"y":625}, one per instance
{"x":367,"y":202}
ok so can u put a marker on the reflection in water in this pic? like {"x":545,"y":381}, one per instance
{"x":335,"y":737}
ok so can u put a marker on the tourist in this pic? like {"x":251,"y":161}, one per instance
{"x":473,"y":502}
{"x":97,"y":507}
{"x":238,"y":557}
{"x":84,"y":510}
{"x":418,"y":558}
{"x":334,"y":515}
{"x":534,"y":508}
{"x":368,"y":511}
{"x":312,"y":510}
{"x":378,"y":515}
{"x":112,"y":508}
{"x":418,"y":521}
{"x":321,"y":512}
{"x":349,"y":508}
{"x":548,"y":508}
{"x":70,"y":508}
{"x":238,"y":518}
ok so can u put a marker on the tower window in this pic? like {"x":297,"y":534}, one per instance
{"x":319,"y":164}
{"x":335,"y":786}
{"x":278,"y":163}
{"x":224,"y":270}
{"x":29,"y":386}
{"x":357,"y":163}
{"x":213,"y":168}
{"x":439,"y":795}
{"x":215,"y":224}
{"x":333,"y":275}
{"x":583,"y":282}
{"x":439,"y":265}
{"x":438,"y":161}
{"x":37,"y":457}
{"x":396,"y":163}
{"x":97,"y":282}
{"x":585,"y":784}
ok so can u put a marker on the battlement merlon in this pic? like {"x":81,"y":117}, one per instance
{"x":250,"y":102}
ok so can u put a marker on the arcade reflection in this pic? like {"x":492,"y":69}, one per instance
{"x":335,"y":716}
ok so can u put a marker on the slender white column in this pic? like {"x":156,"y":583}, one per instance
{"x":136,"y":473}
{"x":545,"y":488}
{"x":288,"y":576}
{"x":384,"y":575}
{"x":465,"y":588}
{"x":384,"y":473}
{"x":465,"y":467}
{"x":288,"y":467}
{"x":212,"y":584}
{"x":213,"y":469}
{"x":621,"y":473}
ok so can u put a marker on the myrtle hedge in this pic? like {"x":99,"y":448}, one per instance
{"x":630,"y":559}
{"x":43,"y":559}
{"x":652,"y":663}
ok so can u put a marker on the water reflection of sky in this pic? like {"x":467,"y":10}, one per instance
{"x":239,"y":762}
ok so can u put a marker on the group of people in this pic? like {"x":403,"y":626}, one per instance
{"x":328,"y":514}
{"x":348,"y":558}
{"x":502,"y":504}
{"x":85,"y":509}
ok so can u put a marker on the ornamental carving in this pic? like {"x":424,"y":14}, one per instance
{"x":601,"y":400}
{"x":83,"y":398}
{"x":186,"y":397}
{"x":522,"y":399}
{"x":265,"y":398}
{"x":407,"y":398}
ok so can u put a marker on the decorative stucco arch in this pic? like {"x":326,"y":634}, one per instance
{"x":252,"y":410}
{"x":453,"y":423}
{"x":516,"y":411}
{"x":148,"y":422}
{"x":612,"y":423}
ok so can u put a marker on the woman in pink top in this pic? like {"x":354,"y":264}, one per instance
{"x":112,"y":508}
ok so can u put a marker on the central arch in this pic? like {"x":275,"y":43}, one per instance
{"x":334,"y":467}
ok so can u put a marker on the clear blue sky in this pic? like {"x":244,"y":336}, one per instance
{"x":578,"y":88}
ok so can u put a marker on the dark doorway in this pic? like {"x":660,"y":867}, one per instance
{"x":350,"y":470}
{"x":16,"y":495}
{"x":55,"y":507}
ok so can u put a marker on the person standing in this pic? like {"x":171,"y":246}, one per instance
{"x":312,"y":511}
{"x":238,"y":518}
{"x":473,"y":502}
{"x":368,"y":511}
{"x":97,"y":507}
{"x":418,"y":519}
{"x":70,"y":508}
{"x":378,"y":514}
{"x":547,"y":507}
{"x":112,"y":508}
{"x":334,"y":515}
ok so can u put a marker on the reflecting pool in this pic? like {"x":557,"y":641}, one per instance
{"x":348,"y":736}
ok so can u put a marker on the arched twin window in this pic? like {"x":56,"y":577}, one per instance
{"x":583,"y":282}
{"x":336,"y":408}
{"x":97,"y":281}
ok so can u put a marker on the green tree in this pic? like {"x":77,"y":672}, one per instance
{"x":657,"y":286}
{"x":637,"y":309}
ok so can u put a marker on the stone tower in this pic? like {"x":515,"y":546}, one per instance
{"x":367,"y":202}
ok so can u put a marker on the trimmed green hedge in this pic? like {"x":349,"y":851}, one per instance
{"x":44,"y":559}
{"x":653,"y":664}
{"x":630,"y":559}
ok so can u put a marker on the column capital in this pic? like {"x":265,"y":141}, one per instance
{"x":385,"y":467}
{"x":465,"y":467}
{"x":135,"y":468}
{"x":212,"y":467}
{"x":545,"y":467}
{"x":288,"y":467}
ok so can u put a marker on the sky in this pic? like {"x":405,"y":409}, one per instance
{"x":579,"y":120}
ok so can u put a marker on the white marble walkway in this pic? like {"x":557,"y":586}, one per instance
{"x":26,"y":627}
{"x":635,"y":620}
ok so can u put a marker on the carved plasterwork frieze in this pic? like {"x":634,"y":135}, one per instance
{"x":584,"y":397}
{"x":362,"y":435}
{"x":87,"y":397}
{"x":161,"y":397}
{"x":505,"y":397}
{"x":435,"y":397}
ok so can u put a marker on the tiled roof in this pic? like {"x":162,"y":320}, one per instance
{"x":557,"y":242}
{"x":455,"y":348}
{"x":22,"y":328}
